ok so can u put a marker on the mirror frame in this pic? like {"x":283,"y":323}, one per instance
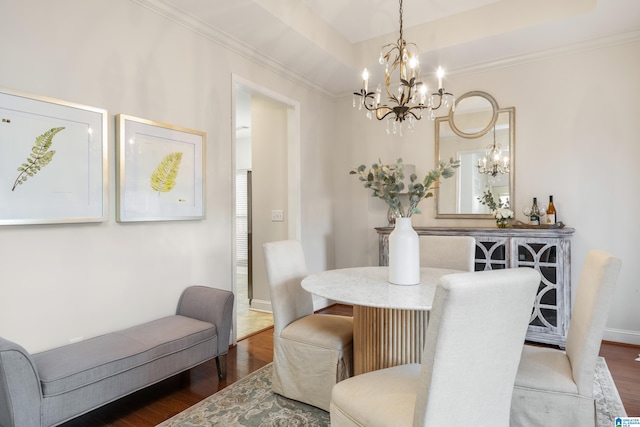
{"x":511,"y":111}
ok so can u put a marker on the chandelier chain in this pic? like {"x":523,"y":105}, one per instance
{"x":401,"y":39}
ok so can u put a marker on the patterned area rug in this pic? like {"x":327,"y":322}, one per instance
{"x":250,"y":402}
{"x":608,"y":402}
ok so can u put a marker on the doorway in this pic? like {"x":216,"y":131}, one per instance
{"x":266,"y":183}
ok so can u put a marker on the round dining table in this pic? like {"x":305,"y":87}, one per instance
{"x":389,"y":321}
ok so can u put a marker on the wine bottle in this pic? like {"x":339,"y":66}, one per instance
{"x":534,"y":217}
{"x":551,"y":212}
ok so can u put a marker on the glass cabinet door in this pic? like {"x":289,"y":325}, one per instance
{"x":550,"y":307}
{"x":491,"y":253}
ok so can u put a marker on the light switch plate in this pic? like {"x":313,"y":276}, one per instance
{"x":277,"y":215}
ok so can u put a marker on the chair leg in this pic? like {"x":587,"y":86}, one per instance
{"x":221,"y":365}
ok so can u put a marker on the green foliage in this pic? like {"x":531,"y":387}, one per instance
{"x":164,"y":178}
{"x":488,"y":200}
{"x":385,"y":181}
{"x":40,"y":156}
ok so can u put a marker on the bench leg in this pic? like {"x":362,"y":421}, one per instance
{"x":221,"y":365}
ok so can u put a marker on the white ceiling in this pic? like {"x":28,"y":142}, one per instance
{"x":326,"y":43}
{"x":359,"y":20}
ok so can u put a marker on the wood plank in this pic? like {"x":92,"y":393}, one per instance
{"x":625,"y":372}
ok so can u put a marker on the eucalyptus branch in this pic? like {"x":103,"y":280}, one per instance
{"x":385,"y":181}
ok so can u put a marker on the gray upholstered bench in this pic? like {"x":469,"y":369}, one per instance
{"x":49,"y":388}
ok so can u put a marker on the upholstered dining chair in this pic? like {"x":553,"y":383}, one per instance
{"x":477,"y":327}
{"x":311,"y":352}
{"x":454,"y":252}
{"x":555,"y":387}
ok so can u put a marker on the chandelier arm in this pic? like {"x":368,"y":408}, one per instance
{"x":371,"y":107}
{"x":439,"y":94}
{"x":410,"y":111}
{"x":384,"y":115}
{"x":376,"y":109}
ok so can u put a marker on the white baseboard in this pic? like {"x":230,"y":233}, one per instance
{"x":261,"y":305}
{"x":622,"y":336}
{"x":265,"y":306}
{"x":319,"y":303}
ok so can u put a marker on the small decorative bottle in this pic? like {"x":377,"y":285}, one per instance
{"x":534,"y":216}
{"x":551,"y":212}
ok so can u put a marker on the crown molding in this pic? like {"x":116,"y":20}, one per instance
{"x":229,"y":42}
{"x":514,"y":60}
{"x":569,"y":49}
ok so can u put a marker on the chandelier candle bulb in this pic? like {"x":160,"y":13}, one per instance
{"x":365,"y":80}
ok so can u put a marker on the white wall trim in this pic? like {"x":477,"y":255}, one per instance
{"x":265,"y":306}
{"x":510,"y":61}
{"x":293,"y":152}
{"x":622,"y":335}
{"x":320,"y":302}
{"x":293,"y":178}
{"x":261,"y":305}
{"x":229,"y":42}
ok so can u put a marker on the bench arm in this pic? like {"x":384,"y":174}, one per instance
{"x":209,"y":305}
{"x":20,"y":391}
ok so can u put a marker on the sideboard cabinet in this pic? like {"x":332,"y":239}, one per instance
{"x":546,"y":250}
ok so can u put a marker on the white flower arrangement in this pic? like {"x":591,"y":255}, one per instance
{"x":500,"y":210}
{"x":503,"y":213}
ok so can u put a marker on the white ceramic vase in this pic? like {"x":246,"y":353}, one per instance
{"x":404,"y":254}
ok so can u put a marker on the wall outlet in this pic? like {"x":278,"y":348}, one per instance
{"x":277,"y":215}
{"x":75,"y":340}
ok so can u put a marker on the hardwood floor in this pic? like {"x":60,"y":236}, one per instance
{"x":625,"y":372}
{"x":157,"y":403}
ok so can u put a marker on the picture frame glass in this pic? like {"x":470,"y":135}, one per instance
{"x":53,"y":161}
{"x":161,"y":171}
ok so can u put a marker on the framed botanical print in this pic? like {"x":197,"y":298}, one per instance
{"x":160,"y":171}
{"x":53,"y":161}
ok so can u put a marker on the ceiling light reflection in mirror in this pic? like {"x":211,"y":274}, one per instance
{"x":465,"y":135}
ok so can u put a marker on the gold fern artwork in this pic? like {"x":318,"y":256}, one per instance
{"x":40,"y":156}
{"x":164,"y":177}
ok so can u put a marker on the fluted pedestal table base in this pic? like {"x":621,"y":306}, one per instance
{"x":385,"y":337}
{"x":389,"y":321}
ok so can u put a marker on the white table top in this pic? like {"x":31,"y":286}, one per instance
{"x":369,"y":286}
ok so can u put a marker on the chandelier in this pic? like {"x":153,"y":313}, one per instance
{"x":408,"y":96}
{"x":494,"y":162}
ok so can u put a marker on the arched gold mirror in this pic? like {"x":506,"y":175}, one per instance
{"x":469,"y":133}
